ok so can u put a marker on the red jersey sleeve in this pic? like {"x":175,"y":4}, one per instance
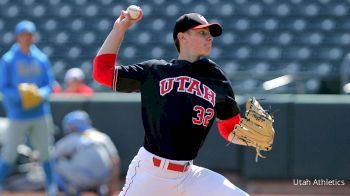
{"x":227,"y":126}
{"x":104,"y":71}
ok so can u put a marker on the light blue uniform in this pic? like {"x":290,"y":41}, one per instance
{"x":91,"y":159}
{"x":36,"y":123}
{"x":85,"y":158}
{"x":16,"y":68}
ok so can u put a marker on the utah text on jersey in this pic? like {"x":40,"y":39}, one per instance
{"x":188,"y":85}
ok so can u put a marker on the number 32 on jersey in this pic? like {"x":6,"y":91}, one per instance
{"x":203,"y":115}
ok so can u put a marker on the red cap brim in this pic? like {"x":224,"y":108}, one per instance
{"x":214,"y":28}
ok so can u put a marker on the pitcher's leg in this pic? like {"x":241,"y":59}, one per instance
{"x":136,"y":183}
{"x":204,"y":182}
{"x":140,"y":181}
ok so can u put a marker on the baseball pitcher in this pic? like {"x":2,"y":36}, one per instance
{"x":180,"y":100}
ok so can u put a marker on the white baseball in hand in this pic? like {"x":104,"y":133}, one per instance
{"x":134,"y":11}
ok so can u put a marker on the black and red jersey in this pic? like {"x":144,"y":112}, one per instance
{"x":180,"y":101}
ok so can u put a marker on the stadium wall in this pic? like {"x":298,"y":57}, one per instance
{"x":311,"y":141}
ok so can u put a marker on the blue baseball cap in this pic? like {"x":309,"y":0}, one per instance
{"x":25,"y":26}
{"x":76,"y":121}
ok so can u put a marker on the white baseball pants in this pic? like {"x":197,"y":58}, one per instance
{"x":144,"y":177}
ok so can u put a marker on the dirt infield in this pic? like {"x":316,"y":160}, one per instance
{"x":41,"y":194}
{"x":287,"y":188}
{"x":254,"y":188}
{"x":91,"y":194}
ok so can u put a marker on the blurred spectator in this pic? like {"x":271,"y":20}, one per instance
{"x":27,"y":108}
{"x":86,"y":158}
{"x":56,"y":87}
{"x":74,"y":80}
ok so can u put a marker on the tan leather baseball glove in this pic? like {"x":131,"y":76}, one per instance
{"x":256,"y":129}
{"x":30,"y":95}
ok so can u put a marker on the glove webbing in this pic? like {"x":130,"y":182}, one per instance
{"x":257,"y":148}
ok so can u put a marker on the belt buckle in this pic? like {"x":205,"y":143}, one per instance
{"x":186,"y":167}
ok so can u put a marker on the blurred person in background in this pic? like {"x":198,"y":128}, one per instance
{"x":56,"y":87}
{"x":26,"y":82}
{"x":75,"y":83}
{"x":86,"y":159}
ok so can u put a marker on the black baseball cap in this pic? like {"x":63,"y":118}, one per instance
{"x":195,"y":21}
